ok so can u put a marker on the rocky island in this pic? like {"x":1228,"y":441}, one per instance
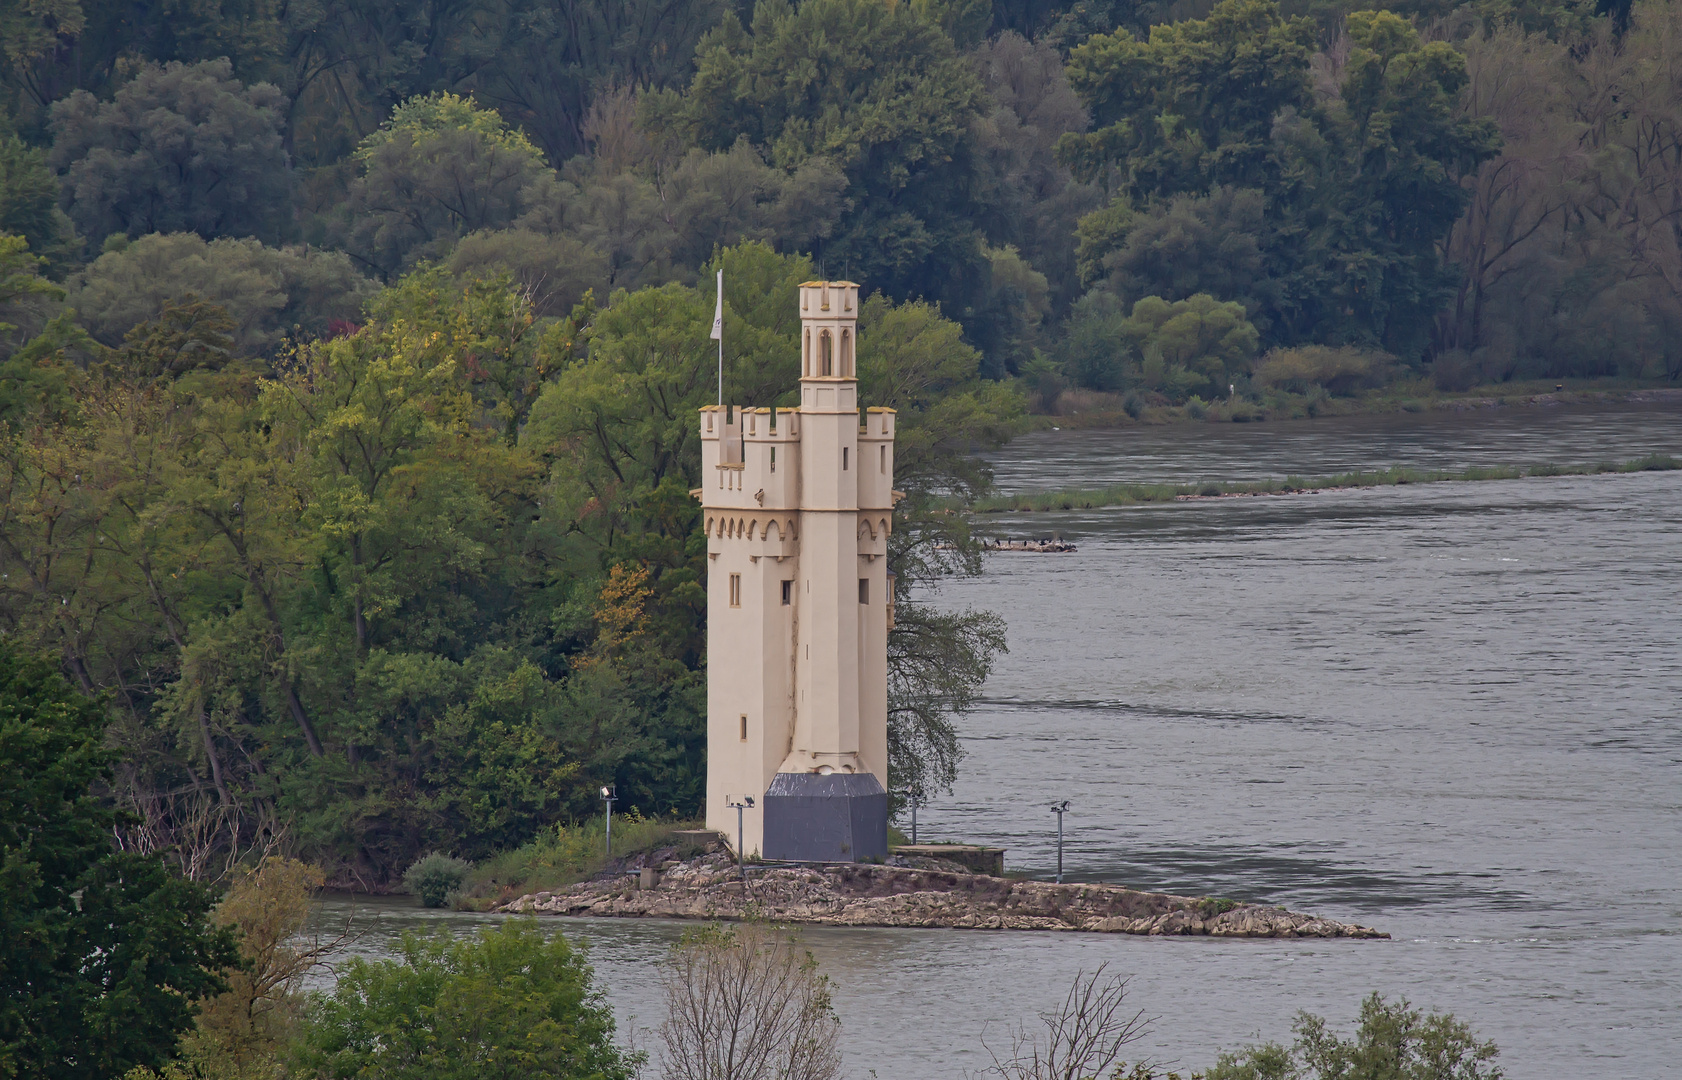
{"x":912,"y":892}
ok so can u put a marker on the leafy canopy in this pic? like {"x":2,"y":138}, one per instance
{"x":509,"y":1003}
{"x":879,"y":90}
{"x":103,"y":955}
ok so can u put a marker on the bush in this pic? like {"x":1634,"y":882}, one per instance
{"x":506,"y":1002}
{"x":1343,"y":370}
{"x":565,"y":854}
{"x":1193,"y":345}
{"x":1392,"y":1041}
{"x":434,"y":876}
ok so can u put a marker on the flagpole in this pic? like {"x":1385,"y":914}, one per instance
{"x":718,"y":332}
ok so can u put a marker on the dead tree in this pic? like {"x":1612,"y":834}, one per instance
{"x":1082,"y":1040}
{"x":747,"y":1003}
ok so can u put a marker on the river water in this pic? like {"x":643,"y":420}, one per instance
{"x":1451,"y":711}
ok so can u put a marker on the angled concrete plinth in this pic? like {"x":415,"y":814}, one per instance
{"x":809,"y":817}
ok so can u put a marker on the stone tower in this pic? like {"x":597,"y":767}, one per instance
{"x":797,"y":505}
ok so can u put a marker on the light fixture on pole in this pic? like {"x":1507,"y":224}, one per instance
{"x":1059,"y":808}
{"x":915,"y":799}
{"x":745,"y":804}
{"x":608,"y":797}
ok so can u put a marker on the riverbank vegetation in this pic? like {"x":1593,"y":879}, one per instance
{"x":744,"y":1000}
{"x":348,"y":368}
{"x":349,"y":354}
{"x":429,"y":584}
{"x":116,"y":964}
{"x":565,"y":854}
{"x":1137,"y":494}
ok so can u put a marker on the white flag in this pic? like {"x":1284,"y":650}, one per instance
{"x":718,"y":312}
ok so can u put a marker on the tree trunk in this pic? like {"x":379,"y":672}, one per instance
{"x":215,"y":762}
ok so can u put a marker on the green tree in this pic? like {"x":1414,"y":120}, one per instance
{"x":553,"y":272}
{"x":180,"y":148}
{"x":1034,"y":202}
{"x":1360,"y":190}
{"x":1392,"y":1040}
{"x":1194,"y":105}
{"x":1189,"y":244}
{"x":440,"y":169}
{"x":507,"y":1003}
{"x":103,"y":954}
{"x":242,"y":1033}
{"x":1399,"y":191}
{"x":29,"y":203}
{"x":1195,"y":345}
{"x":879,"y":90}
{"x":269,"y":292}
{"x":24,"y":294}
{"x":555,"y":60}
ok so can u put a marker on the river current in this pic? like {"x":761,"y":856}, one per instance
{"x":1450,"y":711}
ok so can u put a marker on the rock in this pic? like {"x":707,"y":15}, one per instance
{"x":918,"y":893}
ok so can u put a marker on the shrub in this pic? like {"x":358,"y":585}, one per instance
{"x":1391,"y":1041}
{"x":1343,"y":370}
{"x":434,"y":876}
{"x":564,"y":854}
{"x":1454,"y":370}
{"x":506,"y":1002}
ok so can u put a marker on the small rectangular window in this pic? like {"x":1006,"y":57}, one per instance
{"x":844,"y":459}
{"x":744,"y":729}
{"x":735,"y":590}
{"x":864,"y":590}
{"x":788,"y":593}
{"x":773,"y":459}
{"x":884,"y":451}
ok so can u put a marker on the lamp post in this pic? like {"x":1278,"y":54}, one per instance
{"x":608,"y":798}
{"x":741,"y":864}
{"x":1059,"y":808}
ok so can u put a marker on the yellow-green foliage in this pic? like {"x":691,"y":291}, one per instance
{"x":240,"y":1033}
{"x":567,"y":853}
{"x":432,"y":114}
{"x":1342,"y":370}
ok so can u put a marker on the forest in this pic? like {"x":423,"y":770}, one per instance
{"x":350,"y":350}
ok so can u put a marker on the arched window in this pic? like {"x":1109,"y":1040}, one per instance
{"x":847,"y":354}
{"x":826,"y":354}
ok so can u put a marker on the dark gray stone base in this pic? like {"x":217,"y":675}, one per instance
{"x":842,"y":817}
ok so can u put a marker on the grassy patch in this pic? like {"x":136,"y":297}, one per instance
{"x":567,"y":854}
{"x":1087,"y":409}
{"x":1138,"y":494}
